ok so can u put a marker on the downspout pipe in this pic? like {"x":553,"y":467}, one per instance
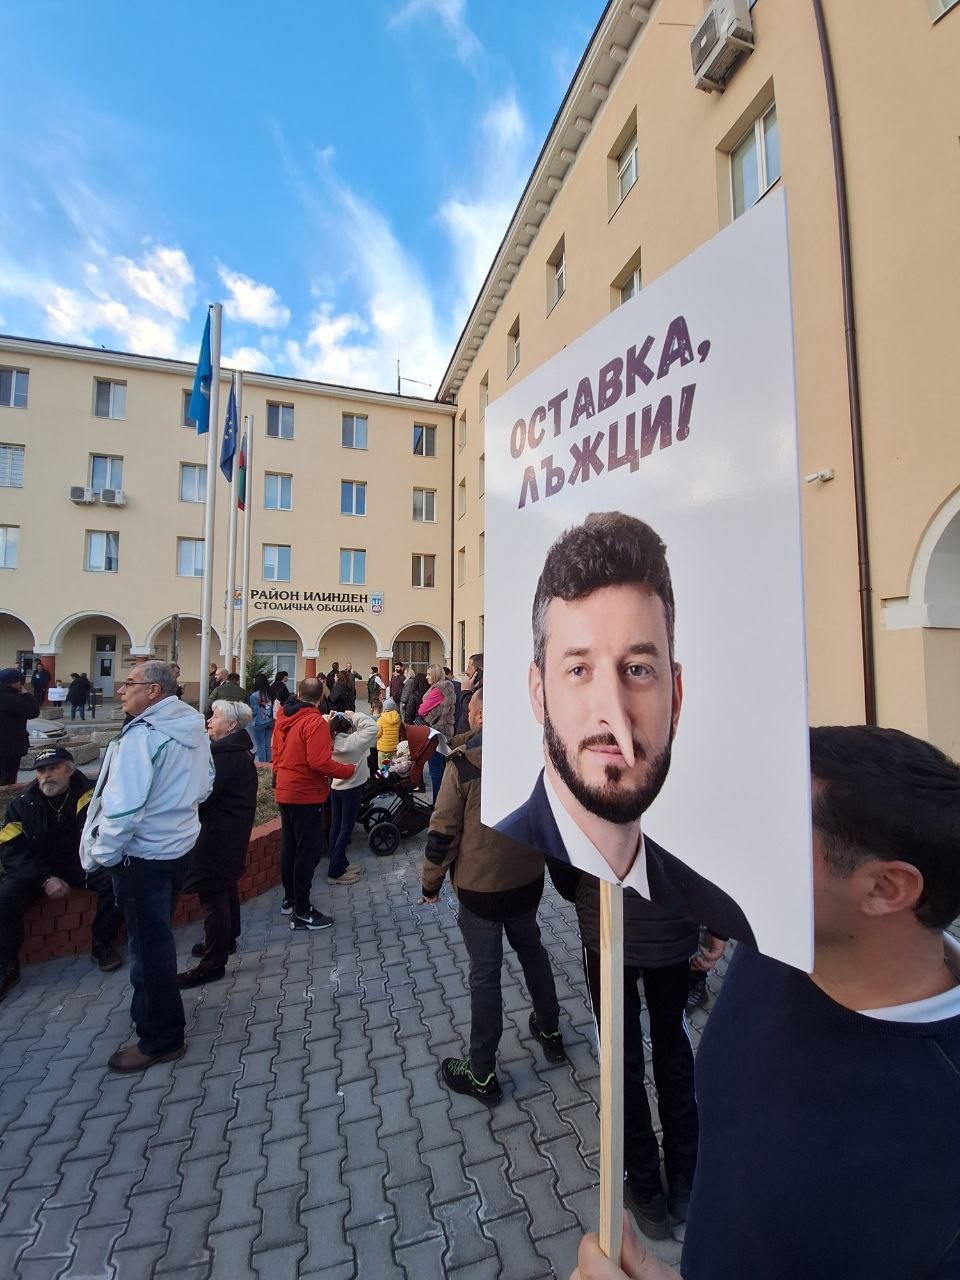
{"x":853,"y":377}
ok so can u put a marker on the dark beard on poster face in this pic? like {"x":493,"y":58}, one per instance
{"x":609,"y":802}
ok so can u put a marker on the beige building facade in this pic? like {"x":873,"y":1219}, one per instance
{"x":102,"y":484}
{"x":641,"y":167}
{"x":853,"y":106}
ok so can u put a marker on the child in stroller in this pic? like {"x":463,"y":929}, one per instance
{"x":389,"y":806}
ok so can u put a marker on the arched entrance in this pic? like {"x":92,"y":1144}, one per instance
{"x":95,"y":643}
{"x":17,"y":643}
{"x":345,"y":642}
{"x":272,"y":646}
{"x":419,"y":644}
{"x":178,"y":640}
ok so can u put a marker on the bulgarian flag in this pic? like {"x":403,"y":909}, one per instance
{"x":242,"y":475}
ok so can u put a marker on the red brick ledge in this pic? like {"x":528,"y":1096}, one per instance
{"x":61,"y":926}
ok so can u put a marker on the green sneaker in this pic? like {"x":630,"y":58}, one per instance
{"x":457,"y":1074}
{"x":551,"y":1042}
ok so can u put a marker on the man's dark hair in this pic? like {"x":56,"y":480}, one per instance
{"x":281,"y":675}
{"x":234,"y":677}
{"x":609,"y":549}
{"x":477,"y":660}
{"x":884,"y":794}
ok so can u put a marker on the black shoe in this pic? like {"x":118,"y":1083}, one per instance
{"x":286,"y":907}
{"x":650,"y":1213}
{"x":697,"y":995}
{"x":199,"y":948}
{"x":108,"y":958}
{"x":678,"y":1198}
{"x":198,"y":976}
{"x":457,"y":1074}
{"x":313,"y":920}
{"x":550,"y":1041}
{"x":9,"y":977}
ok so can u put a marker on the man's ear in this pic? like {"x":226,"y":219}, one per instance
{"x":677,"y":699}
{"x":889,"y":887}
{"x":535,"y":687}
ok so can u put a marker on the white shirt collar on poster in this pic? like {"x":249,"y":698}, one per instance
{"x":584,"y":853}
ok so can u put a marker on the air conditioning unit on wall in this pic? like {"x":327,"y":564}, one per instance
{"x":82,"y":494}
{"x":722,"y":39}
{"x":113,"y":497}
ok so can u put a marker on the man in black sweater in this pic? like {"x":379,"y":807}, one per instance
{"x":830,"y":1103}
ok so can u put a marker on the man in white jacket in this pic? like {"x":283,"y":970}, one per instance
{"x":142,"y":823}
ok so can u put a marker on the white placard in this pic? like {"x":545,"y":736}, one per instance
{"x":678,"y":408}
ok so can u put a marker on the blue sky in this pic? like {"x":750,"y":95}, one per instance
{"x":339,"y":175}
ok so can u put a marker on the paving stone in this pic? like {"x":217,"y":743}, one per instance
{"x":573,"y":1174}
{"x":163,"y":1167}
{"x":358,"y":1103}
{"x":41,"y":1268}
{"x":11,"y":1248}
{"x":286,"y":1116}
{"x":488,"y":1269}
{"x":368,"y":1201}
{"x":423,"y":1259}
{"x":322,"y":1089}
{"x":585,"y":1122}
{"x":281,"y":1227}
{"x":323,"y":1130}
{"x":363,"y":1148}
{"x":497,"y":1199}
{"x":21,"y":1212}
{"x":326,"y":1243}
{"x":251,"y":1105}
{"x":93,"y":1250}
{"x":147,"y":1225}
{"x":547,"y":1214}
{"x":404,"y":1161}
{"x":54,"y":1237}
{"x":236,"y":1200}
{"x":323,"y":1181}
{"x":560,"y":1250}
{"x":232,"y":1252}
{"x":209,"y":1135}
{"x":245,"y":1148}
{"x":461,"y":1225}
{"x":283,"y":1164}
{"x":411,"y":1204}
{"x":396,"y":1114}
{"x":478,"y":1142}
{"x":446,"y":1170}
{"x":278,"y":1262}
{"x":373,"y":1253}
{"x":42,"y":1169}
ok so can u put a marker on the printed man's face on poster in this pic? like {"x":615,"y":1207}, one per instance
{"x":608,"y":699}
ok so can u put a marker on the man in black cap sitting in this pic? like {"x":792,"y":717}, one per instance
{"x":39,"y":850}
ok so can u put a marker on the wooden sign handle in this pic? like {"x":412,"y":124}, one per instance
{"x":611,"y":1069}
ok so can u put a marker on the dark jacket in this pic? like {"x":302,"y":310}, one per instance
{"x":279,"y":691}
{"x":679,"y":898}
{"x":396,"y":687}
{"x":340,"y":698}
{"x":219,"y":857}
{"x":38,"y":841}
{"x":414,"y":691}
{"x":16,"y":709}
{"x":229,"y":691}
{"x":78,"y":691}
{"x":493,"y":876}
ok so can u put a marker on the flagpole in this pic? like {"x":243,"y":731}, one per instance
{"x":245,"y":572}
{"x":232,"y":534}
{"x":206,"y":610}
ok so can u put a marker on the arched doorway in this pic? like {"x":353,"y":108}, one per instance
{"x":178,"y":640}
{"x":418,"y":645}
{"x":17,"y":643}
{"x":274,"y":646}
{"x":345,"y":642}
{"x":95,"y":643}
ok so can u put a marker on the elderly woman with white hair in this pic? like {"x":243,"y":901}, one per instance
{"x":218,"y":859}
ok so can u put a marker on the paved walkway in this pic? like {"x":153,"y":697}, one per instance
{"x":306,"y":1132}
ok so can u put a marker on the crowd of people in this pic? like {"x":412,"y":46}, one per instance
{"x":817,"y":1133}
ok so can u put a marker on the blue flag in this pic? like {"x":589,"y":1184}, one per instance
{"x":229,"y":446}
{"x":200,"y":396}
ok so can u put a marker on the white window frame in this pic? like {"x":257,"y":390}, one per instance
{"x":461,"y":566}
{"x":481,"y":553}
{"x":114,"y":470}
{"x":631,"y":286}
{"x":428,"y":499}
{"x":19,"y":388}
{"x":559,"y":277}
{"x":628,"y":170}
{"x":482,"y":474}
{"x":278,"y":503}
{"x":350,"y":578}
{"x":484,"y":395}
{"x":462,"y":498}
{"x":513,"y":346}
{"x":9,"y":546}
{"x":185,"y":419}
{"x":462,"y":431}
{"x":357,"y":487}
{"x":12,"y":462}
{"x":105,"y":557}
{"x":420,"y":564}
{"x":198,"y":473}
{"x":284,"y":420}
{"x":758,"y":134}
{"x":197,"y":548}
{"x":428,"y":440}
{"x":354,"y":419}
{"x":116,"y":398}
{"x":271,"y":573}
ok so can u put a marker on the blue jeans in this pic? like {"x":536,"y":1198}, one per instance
{"x":343,"y":814}
{"x":436,"y":765}
{"x":146,"y":889}
{"x":75,"y":707}
{"x":262,"y":735}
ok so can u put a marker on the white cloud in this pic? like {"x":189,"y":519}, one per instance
{"x":248,"y":359}
{"x":253,"y":303}
{"x":163,"y":279}
{"x":452,"y":14}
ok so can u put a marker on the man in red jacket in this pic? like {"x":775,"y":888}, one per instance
{"x":303,"y":763}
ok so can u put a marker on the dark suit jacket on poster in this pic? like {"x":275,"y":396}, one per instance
{"x":672,"y":884}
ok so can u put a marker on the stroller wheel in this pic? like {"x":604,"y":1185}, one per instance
{"x":374,"y":816}
{"x":384,"y":839}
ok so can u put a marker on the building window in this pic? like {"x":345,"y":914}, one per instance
{"x":556,"y":274}
{"x":9,"y":546}
{"x":481,"y":554}
{"x":461,"y":498}
{"x":755,"y":161}
{"x":185,"y":419}
{"x":11,"y":466}
{"x":424,"y":506}
{"x":939,"y":7}
{"x":425,"y":441}
{"x":353,"y":498}
{"x":109,"y":399}
{"x":627,"y":168}
{"x":461,"y":566}
{"x":631,"y":286}
{"x":353,"y":431}
{"x":423,"y":571}
{"x":353,"y":567}
{"x":481,"y":468}
{"x":484,"y":394}
{"x":193,"y":482}
{"x":627,"y":283}
{"x":413,"y":653}
{"x":276,"y":563}
{"x":189,"y":557}
{"x":280,"y":421}
{"x":105,"y":472}
{"x":13,"y":388}
{"x":513,"y":346}
{"x":277,"y":492}
{"x":462,"y":645}
{"x":103,"y":551}
{"x":462,"y":431}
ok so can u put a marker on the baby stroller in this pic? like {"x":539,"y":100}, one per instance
{"x":390,"y":807}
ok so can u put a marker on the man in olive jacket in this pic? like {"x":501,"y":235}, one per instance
{"x":498,"y":884}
